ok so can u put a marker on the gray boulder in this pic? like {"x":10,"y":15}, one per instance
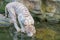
{"x":4,"y":22}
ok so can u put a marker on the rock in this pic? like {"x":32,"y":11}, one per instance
{"x":52,"y":20}
{"x":1,"y":16}
{"x":56,"y":0}
{"x":4,"y":22}
{"x":54,"y":17}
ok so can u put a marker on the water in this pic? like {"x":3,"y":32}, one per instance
{"x":45,"y":31}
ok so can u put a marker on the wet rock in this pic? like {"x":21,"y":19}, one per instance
{"x":4,"y":22}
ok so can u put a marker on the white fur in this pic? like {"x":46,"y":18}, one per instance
{"x":25,"y":19}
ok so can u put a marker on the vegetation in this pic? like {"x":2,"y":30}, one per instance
{"x":2,"y":7}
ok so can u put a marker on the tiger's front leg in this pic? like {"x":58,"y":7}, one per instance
{"x":16,"y":26}
{"x":13,"y":19}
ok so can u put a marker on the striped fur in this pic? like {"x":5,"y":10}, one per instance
{"x":25,"y":19}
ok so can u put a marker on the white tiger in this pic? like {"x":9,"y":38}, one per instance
{"x":25,"y":19}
